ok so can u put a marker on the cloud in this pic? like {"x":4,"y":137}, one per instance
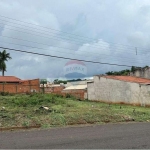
{"x":100,"y":24}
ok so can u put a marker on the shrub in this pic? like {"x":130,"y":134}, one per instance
{"x":68,"y":95}
{"x":4,"y":93}
{"x":28,"y":93}
{"x":58,"y":95}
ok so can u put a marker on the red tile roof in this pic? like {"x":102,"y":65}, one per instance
{"x":9,"y":79}
{"x":129,"y":79}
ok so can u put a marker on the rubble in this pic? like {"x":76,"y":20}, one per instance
{"x":128,"y":118}
{"x":44,"y":107}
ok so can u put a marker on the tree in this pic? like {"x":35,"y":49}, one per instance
{"x":57,"y":81}
{"x":4,"y":56}
{"x":118,"y":73}
{"x":133,"y":68}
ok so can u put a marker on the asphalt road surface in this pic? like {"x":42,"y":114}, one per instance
{"x":110,"y":136}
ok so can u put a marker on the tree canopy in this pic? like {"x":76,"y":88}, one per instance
{"x":124,"y":72}
{"x":56,"y":81}
{"x":118,"y":73}
{"x":4,"y":56}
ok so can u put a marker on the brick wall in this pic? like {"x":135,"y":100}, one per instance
{"x":81,"y":94}
{"x":31,"y":86}
{"x":52,"y":89}
{"x":8,"y":87}
{"x":22,"y":87}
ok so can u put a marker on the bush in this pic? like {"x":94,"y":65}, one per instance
{"x":68,"y":95}
{"x":4,"y":93}
{"x":28,"y":93}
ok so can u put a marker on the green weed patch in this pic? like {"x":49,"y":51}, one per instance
{"x":49,"y":110}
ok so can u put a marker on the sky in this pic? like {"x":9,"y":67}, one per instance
{"x":106,"y":31}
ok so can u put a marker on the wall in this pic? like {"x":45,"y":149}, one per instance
{"x":144,"y":95}
{"x":53,"y":89}
{"x":22,"y":87}
{"x":91,"y":91}
{"x":82,"y":94}
{"x":9,"y":87}
{"x":143,"y":73}
{"x":30,"y":86}
{"x":115,"y":91}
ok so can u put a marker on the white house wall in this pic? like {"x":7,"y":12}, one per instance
{"x":91,"y":91}
{"x":145,"y":95}
{"x":116,"y":91}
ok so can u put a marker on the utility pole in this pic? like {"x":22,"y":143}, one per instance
{"x":136,"y":50}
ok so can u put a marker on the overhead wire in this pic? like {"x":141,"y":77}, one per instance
{"x":75,"y":54}
{"x":65,"y":48}
{"x":60,"y":30}
{"x":56,"y":37}
{"x":49,"y":38}
{"x":59,"y":47}
{"x":112,"y":57}
{"x":59,"y":36}
{"x":60,"y":57}
{"x":66,"y":53}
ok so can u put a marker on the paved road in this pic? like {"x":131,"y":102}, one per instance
{"x":114,"y":136}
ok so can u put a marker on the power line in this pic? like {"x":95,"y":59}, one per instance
{"x":76,"y":40}
{"x":40,"y":48}
{"x":52,"y":46}
{"x":59,"y":57}
{"x":44,"y":44}
{"x":46,"y":27}
{"x":57,"y":31}
{"x":57,"y":38}
{"x":69,"y":39}
{"x":33,"y":28}
{"x":66,"y":48}
{"x":62,"y":31}
{"x":64,"y":52}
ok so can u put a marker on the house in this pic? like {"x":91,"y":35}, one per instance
{"x":141,"y":72}
{"x":13,"y":84}
{"x":77,"y":89}
{"x":74,"y":88}
{"x":9,"y":79}
{"x":119,"y":89}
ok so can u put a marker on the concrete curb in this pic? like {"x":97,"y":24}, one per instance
{"x":19,"y":128}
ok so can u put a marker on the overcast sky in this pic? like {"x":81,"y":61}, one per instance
{"x":107,"y":31}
